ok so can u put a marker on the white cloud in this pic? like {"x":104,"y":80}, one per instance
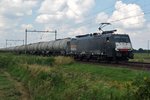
{"x":77,"y":8}
{"x":12,"y":10}
{"x":148,"y":26}
{"x":125,"y":14}
{"x":16,"y":7}
{"x":26,"y":26}
{"x":12,"y":13}
{"x":78,"y":31}
{"x":2,"y":22}
{"x":52,"y":6}
{"x":6,"y":23}
{"x":102,"y":17}
{"x":46,"y":18}
{"x":65,"y":31}
{"x":54,"y":10}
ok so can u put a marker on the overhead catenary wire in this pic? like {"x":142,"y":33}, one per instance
{"x":87,"y":18}
{"x":107,"y":8}
{"x":112,"y":6}
{"x":125,"y":18}
{"x":146,"y":13}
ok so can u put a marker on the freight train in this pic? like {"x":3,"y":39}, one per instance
{"x":100,"y":46}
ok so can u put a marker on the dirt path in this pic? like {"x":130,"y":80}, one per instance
{"x":8,"y":90}
{"x":25,"y":95}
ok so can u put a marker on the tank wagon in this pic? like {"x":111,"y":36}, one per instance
{"x":57,"y":47}
{"x":99,"y":46}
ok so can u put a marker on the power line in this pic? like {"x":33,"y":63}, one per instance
{"x":87,"y":19}
{"x":130,"y":24}
{"x":26,"y":31}
{"x":14,"y":41}
{"x":140,"y":22}
{"x":94,"y":15}
{"x":130,"y":17}
{"x":111,"y":6}
{"x":113,"y":21}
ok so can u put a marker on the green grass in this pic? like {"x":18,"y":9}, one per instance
{"x":141,"y":57}
{"x":7,"y":88}
{"x":63,"y":79}
{"x":108,"y":72}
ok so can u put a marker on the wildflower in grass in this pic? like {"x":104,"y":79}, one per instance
{"x":145,"y":78}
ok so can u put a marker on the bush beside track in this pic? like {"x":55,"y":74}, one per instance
{"x":141,"y":57}
{"x":61,"y":78}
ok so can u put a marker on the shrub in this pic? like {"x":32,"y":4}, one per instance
{"x":139,"y":89}
{"x":142,"y":88}
{"x":36,"y":60}
{"x":6,"y":61}
{"x":60,"y":60}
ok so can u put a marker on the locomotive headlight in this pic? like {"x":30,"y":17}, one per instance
{"x":123,"y":46}
{"x":116,"y":49}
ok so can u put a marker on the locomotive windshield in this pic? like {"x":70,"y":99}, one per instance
{"x":122,"y":38}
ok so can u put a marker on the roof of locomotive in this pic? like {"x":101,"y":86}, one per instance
{"x":86,"y":36}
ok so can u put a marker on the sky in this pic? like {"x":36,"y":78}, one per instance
{"x":71,"y":18}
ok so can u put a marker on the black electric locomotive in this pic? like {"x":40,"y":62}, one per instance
{"x":105,"y":46}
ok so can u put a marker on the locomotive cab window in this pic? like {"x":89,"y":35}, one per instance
{"x":122,"y":39}
{"x":107,"y":39}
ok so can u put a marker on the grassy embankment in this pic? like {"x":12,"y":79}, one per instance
{"x":141,"y":57}
{"x":60,"y":78}
{"x":7,"y":88}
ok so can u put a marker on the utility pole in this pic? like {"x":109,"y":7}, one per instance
{"x":148,"y":47}
{"x":55,"y":34}
{"x":6,"y":43}
{"x":26,"y":41}
{"x":13,"y":41}
{"x":26,"y":35}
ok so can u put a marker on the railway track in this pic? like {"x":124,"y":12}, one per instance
{"x":139,"y":65}
{"x":132,"y":65}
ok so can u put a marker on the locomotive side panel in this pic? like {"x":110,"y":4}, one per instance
{"x":107,"y":46}
{"x":87,"y":47}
